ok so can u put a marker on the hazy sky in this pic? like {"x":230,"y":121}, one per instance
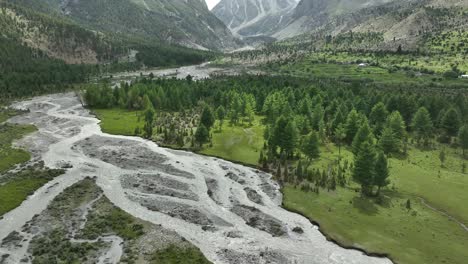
{"x":211,"y":3}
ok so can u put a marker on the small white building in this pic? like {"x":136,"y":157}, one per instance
{"x":363,"y":65}
{"x":465,"y":76}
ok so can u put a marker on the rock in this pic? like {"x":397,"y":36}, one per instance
{"x":298,"y":230}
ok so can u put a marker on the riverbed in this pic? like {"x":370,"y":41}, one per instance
{"x":231,"y":212}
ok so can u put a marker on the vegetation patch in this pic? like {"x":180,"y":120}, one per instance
{"x":15,"y":188}
{"x":10,"y":156}
{"x":177,"y":255}
{"x":241,"y":143}
{"x":389,"y":227}
{"x":119,"y":121}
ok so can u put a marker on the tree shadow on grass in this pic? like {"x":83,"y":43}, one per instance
{"x":365,"y":205}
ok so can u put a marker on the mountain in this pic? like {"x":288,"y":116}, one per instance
{"x":44,"y":50}
{"x":255,"y":18}
{"x":187,"y":23}
{"x":388,"y":23}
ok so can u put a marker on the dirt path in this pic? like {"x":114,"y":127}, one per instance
{"x":462,"y":225}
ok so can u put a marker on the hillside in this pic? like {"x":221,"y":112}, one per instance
{"x":255,"y":18}
{"x":41,"y":52}
{"x":187,"y":23}
{"x":410,"y":24}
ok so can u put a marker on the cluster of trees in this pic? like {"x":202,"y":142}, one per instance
{"x":300,"y":116}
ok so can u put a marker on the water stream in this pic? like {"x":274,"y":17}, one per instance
{"x":231,"y":212}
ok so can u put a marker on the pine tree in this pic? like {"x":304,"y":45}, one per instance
{"x":221,"y":114}
{"x":364,"y":167}
{"x":278,"y":134}
{"x":422,"y":124}
{"x":340,"y":136}
{"x":149,"y":121}
{"x":249,"y":112}
{"x":442,"y":157}
{"x":363,"y":135}
{"x":352,"y":125}
{"x":396,"y":122}
{"x":207,"y":118}
{"x":291,"y":138}
{"x":381,"y":172}
{"x":451,"y":122}
{"x":377,"y":117}
{"x":388,"y":142}
{"x":299,"y":172}
{"x":463,"y":138}
{"x":202,"y":134}
{"x":310,"y":146}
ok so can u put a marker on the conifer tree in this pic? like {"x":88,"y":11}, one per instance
{"x":463,"y":138}
{"x":381,"y":172}
{"x":310,"y":146}
{"x":352,"y":125}
{"x":377,"y":117}
{"x":364,"y":167}
{"x":202,"y":134}
{"x":422,"y":124}
{"x":207,"y":118}
{"x":221,"y":114}
{"x":388,"y":142}
{"x":451,"y":122}
{"x":364,"y":134}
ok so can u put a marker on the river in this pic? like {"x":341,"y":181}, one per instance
{"x":231,"y":212}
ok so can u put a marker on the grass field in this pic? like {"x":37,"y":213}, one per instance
{"x":177,"y":255}
{"x":438,"y":63}
{"x":6,"y":114}
{"x":119,"y":121}
{"x":9,"y":156}
{"x":345,"y":66}
{"x":420,"y":235}
{"x":21,"y":185}
{"x":237,"y":143}
{"x":416,"y":236}
{"x":345,"y":72}
{"x":14,"y":189}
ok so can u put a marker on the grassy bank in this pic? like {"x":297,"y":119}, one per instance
{"x":417,"y":235}
{"x":10,"y":156}
{"x":237,"y":143}
{"x":15,"y":187}
{"x":22,"y":184}
{"x":119,"y":121}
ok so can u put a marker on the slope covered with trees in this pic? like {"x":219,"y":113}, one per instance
{"x":45,"y":53}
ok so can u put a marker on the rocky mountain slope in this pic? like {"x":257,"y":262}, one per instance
{"x":391,"y":23}
{"x":188,"y":23}
{"x":255,"y":18}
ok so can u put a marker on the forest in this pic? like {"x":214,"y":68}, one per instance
{"x":299,"y":116}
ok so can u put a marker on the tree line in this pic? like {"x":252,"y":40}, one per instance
{"x":300,"y":114}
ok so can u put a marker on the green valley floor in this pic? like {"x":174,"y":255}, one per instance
{"x":430,"y":231}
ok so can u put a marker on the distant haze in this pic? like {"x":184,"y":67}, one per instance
{"x":211,"y":3}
